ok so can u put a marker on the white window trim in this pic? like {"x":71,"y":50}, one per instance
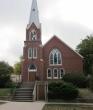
{"x":51,"y":73}
{"x":54,"y":73}
{"x":32,"y":53}
{"x":53,"y":58}
{"x":63,"y":72}
{"x":28,"y":53}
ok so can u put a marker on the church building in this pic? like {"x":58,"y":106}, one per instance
{"x":49,"y":61}
{"x":44,"y":63}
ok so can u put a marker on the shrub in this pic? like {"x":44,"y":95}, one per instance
{"x":91,"y":83}
{"x":5,"y":73}
{"x":63,"y":91}
{"x":69,"y":92}
{"x":78,"y":80}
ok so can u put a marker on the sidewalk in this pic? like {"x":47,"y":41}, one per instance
{"x":22,"y":106}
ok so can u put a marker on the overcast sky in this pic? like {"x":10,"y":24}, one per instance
{"x":70,"y":20}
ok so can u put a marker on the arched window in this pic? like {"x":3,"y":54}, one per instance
{"x":32,"y":35}
{"x":55,"y":57}
{"x":32,"y":68}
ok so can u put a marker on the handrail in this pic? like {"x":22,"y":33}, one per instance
{"x":34,"y":92}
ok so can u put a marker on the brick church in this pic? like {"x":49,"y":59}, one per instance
{"x":50,"y":61}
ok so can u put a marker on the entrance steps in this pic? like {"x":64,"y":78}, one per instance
{"x":24,"y":93}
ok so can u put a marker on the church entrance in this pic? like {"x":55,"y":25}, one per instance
{"x":32,"y":76}
{"x":32,"y":72}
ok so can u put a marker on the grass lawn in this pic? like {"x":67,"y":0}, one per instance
{"x":85,"y":93}
{"x":67,"y":107}
{"x":5,"y":92}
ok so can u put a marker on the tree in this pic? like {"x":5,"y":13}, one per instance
{"x":85,"y":48}
{"x":17,"y":67}
{"x":5,"y":73}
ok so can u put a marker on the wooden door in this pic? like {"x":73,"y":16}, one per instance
{"x":32,"y":76}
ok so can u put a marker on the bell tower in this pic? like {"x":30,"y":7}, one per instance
{"x":33,"y":31}
{"x":32,"y":69}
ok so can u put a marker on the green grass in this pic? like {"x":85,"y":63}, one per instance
{"x":67,"y":107}
{"x":5,"y":92}
{"x":85,"y":93}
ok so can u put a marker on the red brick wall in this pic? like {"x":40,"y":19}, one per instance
{"x":71,"y":62}
{"x":38,"y":62}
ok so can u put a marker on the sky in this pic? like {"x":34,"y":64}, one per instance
{"x":70,"y":20}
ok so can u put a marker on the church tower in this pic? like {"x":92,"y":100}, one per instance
{"x":32,"y":51}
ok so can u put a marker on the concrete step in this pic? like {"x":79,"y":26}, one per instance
{"x":25,"y":89}
{"x":24,"y":93}
{"x":23,"y":100}
{"x":28,"y":84}
{"x":23,"y":96}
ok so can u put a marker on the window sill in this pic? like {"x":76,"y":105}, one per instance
{"x":32,"y":58}
{"x":55,"y":78}
{"x":49,"y":77}
{"x":55,"y":64}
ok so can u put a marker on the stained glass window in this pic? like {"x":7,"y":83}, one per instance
{"x":55,"y":57}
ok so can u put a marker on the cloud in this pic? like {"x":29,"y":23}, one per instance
{"x":70,"y":20}
{"x":70,"y":32}
{"x":10,"y":44}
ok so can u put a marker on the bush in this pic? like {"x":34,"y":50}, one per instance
{"x":69,"y":92}
{"x":63,"y":91}
{"x":78,"y":80}
{"x":91,"y":83}
{"x":5,"y":73}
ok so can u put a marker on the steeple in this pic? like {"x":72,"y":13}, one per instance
{"x":34,"y":17}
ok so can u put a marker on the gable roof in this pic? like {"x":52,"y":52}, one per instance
{"x":55,"y":37}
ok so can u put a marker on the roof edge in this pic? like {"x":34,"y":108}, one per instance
{"x":63,"y":43}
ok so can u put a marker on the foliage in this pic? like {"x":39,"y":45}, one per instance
{"x":85,"y":93}
{"x":63,"y":91}
{"x":85,"y":48}
{"x":10,"y":85}
{"x":79,"y":80}
{"x":17,"y":68}
{"x":5,"y":92}
{"x":67,"y":106}
{"x":11,"y":69}
{"x":5,"y":73}
{"x":91,"y":83}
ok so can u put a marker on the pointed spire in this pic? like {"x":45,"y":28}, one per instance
{"x":34,"y":17}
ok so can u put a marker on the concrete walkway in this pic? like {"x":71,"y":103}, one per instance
{"x":22,"y":106}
